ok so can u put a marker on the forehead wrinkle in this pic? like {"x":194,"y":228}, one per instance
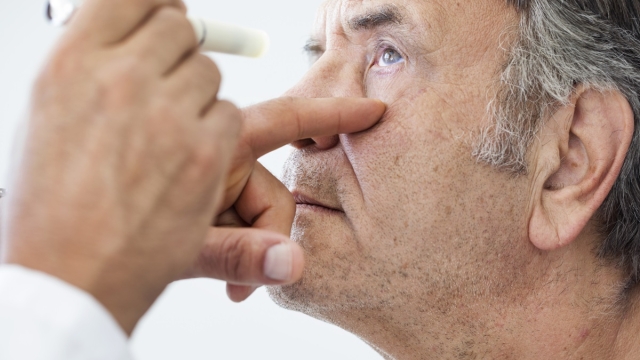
{"x":333,"y":20}
{"x":347,"y":20}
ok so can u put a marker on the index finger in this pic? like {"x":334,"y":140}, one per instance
{"x":275,"y":123}
{"x":105,"y":22}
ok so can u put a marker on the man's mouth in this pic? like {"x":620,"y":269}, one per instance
{"x":306,"y":202}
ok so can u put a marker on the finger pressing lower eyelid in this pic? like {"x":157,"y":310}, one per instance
{"x":276,"y":123}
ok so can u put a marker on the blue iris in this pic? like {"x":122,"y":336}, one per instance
{"x":390,"y":57}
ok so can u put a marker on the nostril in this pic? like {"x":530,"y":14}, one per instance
{"x":320,"y":143}
{"x":326,"y":142}
{"x":301,"y":144}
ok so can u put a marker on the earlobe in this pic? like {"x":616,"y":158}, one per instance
{"x":579,"y":155}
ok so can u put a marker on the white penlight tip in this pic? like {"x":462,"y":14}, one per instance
{"x":230,"y":39}
{"x":265,"y":44}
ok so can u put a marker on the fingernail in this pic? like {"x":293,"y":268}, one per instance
{"x":278,"y":262}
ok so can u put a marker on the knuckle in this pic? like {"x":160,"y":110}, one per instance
{"x":171,"y":17}
{"x":238,"y":257}
{"x":181,"y":5}
{"x":286,"y":102}
{"x":200,"y":75}
{"x":173,"y":20}
{"x":209,"y":67}
{"x":167,"y":16}
{"x":206,"y":74}
{"x":231,"y":116}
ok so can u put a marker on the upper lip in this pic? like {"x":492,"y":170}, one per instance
{"x":303,"y":199}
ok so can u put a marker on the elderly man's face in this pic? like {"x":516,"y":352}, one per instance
{"x":414,"y":221}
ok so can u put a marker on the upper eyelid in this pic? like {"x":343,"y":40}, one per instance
{"x":384,"y":45}
{"x":315,"y":49}
{"x":383,"y":40}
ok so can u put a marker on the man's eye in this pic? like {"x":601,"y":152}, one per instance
{"x":389,"y":57}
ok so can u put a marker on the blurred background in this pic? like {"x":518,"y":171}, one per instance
{"x":194,"y":319}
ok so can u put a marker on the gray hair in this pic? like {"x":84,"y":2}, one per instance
{"x":562,"y":44}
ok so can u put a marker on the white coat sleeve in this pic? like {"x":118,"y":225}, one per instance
{"x":44,"y":318}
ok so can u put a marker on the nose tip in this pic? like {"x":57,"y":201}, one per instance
{"x":330,"y":76}
{"x":326,"y":142}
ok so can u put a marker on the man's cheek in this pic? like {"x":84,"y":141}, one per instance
{"x":390,"y":88}
{"x":380,"y":149}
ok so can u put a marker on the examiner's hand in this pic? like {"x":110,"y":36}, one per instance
{"x":260,"y":253}
{"x":125,"y":156}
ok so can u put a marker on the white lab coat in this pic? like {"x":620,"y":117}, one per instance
{"x":44,"y":318}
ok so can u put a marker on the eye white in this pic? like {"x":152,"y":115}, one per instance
{"x":389,"y":57}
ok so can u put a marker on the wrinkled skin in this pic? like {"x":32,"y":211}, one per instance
{"x":418,"y":249}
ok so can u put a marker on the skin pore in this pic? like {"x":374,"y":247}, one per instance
{"x":417,"y":248}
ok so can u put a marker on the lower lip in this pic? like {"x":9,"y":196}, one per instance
{"x":317,"y":208}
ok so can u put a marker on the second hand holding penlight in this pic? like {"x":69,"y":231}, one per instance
{"x":212,"y":35}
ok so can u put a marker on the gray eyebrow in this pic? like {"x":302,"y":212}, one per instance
{"x":313,"y":47}
{"x":378,"y":17}
{"x":384,"y":15}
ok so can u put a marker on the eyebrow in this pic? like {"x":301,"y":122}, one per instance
{"x":379,"y":17}
{"x":313,"y":47}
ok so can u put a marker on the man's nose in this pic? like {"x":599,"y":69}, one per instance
{"x":331,"y":76}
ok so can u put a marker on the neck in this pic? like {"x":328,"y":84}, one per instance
{"x":563,"y":318}
{"x":627,"y":345}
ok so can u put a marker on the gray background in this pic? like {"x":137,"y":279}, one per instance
{"x":193,"y":319}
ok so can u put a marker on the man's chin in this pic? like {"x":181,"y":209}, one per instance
{"x":332,"y":265}
{"x":297,"y":297}
{"x":314,"y":294}
{"x":290,"y":297}
{"x":314,"y":291}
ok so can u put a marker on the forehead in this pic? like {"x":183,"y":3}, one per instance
{"x":332,"y":11}
{"x":437,"y":16}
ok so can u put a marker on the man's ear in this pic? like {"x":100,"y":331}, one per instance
{"x":576,"y":160}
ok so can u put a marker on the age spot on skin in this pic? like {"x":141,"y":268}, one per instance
{"x":584,"y":334}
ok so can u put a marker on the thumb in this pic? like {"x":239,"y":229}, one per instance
{"x":249,"y":257}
